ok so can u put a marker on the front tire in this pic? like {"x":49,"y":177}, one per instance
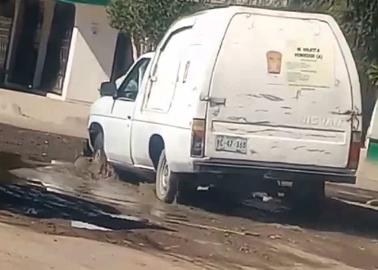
{"x":166,"y":181}
{"x":99,"y":155}
{"x":104,"y":170}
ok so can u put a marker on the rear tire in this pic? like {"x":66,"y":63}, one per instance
{"x":226,"y":198}
{"x":187,"y":189}
{"x":232,"y":190}
{"x":307,"y":197}
{"x":166,"y":181}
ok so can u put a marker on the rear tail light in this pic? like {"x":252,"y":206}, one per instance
{"x":355,"y":150}
{"x":198,"y":138}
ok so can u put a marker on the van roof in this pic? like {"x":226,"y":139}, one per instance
{"x":229,"y":11}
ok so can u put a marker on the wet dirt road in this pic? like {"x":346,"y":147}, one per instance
{"x":64,"y":199}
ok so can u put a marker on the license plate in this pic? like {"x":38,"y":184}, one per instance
{"x":231,"y":144}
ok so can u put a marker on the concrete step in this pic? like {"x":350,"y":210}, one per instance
{"x":44,"y":114}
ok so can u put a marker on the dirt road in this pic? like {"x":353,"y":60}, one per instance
{"x":64,"y":200}
{"x":27,"y":250}
{"x":38,"y":146}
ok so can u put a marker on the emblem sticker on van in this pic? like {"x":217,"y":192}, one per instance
{"x":231,"y":144}
{"x":274,"y":59}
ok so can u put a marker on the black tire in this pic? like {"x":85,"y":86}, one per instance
{"x":228,"y":199}
{"x":87,"y":151}
{"x":98,"y":149}
{"x":307,"y":197}
{"x":187,"y":189}
{"x":166,"y":181}
{"x":105,"y":169}
{"x":232,"y":190}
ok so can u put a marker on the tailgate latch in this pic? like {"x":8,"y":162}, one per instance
{"x":214,"y":101}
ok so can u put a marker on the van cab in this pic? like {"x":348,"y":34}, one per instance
{"x":236,"y":93}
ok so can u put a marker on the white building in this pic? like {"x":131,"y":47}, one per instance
{"x":64,"y":49}
{"x":61,"y":49}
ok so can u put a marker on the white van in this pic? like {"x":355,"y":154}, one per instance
{"x":235,"y":92}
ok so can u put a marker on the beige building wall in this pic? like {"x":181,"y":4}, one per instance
{"x":93,"y":46}
{"x":91,"y":54}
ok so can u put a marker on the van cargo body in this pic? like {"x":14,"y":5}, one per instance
{"x":284,"y":96}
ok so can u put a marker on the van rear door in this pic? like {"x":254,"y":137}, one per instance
{"x":280,"y":93}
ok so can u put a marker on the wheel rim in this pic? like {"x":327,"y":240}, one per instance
{"x":97,"y":155}
{"x":164,"y":180}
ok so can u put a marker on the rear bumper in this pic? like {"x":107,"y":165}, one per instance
{"x":275,"y":170}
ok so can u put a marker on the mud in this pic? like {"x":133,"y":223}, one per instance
{"x":256,"y":234}
{"x":39,"y":146}
{"x":65,"y":199}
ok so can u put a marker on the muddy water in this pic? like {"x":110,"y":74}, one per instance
{"x":203,"y":231}
{"x":63,"y":192}
{"x":8,"y":162}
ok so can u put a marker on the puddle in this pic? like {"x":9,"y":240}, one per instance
{"x":37,"y":202}
{"x":8,"y":162}
{"x":159,"y":213}
{"x":274,"y":207}
{"x":128,"y":217}
{"x":202,"y":242}
{"x":88,"y":226}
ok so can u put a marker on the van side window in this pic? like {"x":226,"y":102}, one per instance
{"x":167,"y":71}
{"x":130,"y":87}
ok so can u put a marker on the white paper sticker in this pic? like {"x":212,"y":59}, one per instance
{"x":309,"y":66}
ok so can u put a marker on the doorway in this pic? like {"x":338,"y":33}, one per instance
{"x":58,"y":48}
{"x":6,"y":20}
{"x":26,"y":45}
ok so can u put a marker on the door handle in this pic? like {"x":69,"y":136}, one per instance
{"x":214,"y":101}
{"x":217,"y":102}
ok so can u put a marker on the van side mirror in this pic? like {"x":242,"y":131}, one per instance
{"x":108,"y":89}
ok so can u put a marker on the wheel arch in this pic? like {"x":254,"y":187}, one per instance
{"x":94,"y":129}
{"x":155,"y":146}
